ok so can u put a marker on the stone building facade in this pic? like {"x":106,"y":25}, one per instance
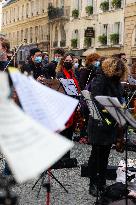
{"x":80,"y":26}
{"x":26,"y":22}
{"x":130,"y":30}
{"x":106,"y":24}
{"x":110,"y":27}
{"x":58,"y":17}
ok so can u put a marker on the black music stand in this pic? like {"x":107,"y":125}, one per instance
{"x":47,"y":185}
{"x":123,"y":118}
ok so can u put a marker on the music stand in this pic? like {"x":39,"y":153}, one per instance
{"x":123,"y":118}
{"x":42,"y":176}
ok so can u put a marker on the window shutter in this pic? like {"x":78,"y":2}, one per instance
{"x":120,"y":34}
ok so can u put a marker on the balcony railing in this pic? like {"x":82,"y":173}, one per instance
{"x":62,"y":43}
{"x":56,"y":12}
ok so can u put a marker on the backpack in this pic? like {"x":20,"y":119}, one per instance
{"x":113,"y":193}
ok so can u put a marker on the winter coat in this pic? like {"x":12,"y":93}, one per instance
{"x":33,"y":69}
{"x":86,"y":75}
{"x":102,"y":133}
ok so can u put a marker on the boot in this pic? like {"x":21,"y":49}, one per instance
{"x":93,"y":189}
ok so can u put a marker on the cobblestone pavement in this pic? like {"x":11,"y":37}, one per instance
{"x":70,"y":178}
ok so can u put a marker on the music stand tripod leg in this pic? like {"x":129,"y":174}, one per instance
{"x":58,"y":182}
{"x":42,"y":182}
{"x":38,"y":180}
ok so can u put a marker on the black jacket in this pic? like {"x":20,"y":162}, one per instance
{"x":102,"y":133}
{"x":35,"y":70}
{"x":86,"y":75}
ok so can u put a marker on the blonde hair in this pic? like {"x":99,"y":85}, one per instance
{"x":115,"y":67}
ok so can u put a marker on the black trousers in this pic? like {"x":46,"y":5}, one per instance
{"x":97,"y":164}
{"x":68,"y":133}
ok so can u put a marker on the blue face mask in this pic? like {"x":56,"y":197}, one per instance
{"x":97,"y":64}
{"x":57,"y":59}
{"x":38,"y":59}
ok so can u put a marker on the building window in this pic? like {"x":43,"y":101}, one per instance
{"x":17,"y":37}
{"x":36,"y":34}
{"x":14,"y":10}
{"x":27,"y":10}
{"x":134,"y":37}
{"x":105,"y":29}
{"x":22,"y":39}
{"x":32,"y":8}
{"x":75,"y":38}
{"x":23,"y":12}
{"x":90,"y":2}
{"x":26,"y":35}
{"x":10,"y":15}
{"x":31,"y":34}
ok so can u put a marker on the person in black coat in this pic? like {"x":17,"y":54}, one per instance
{"x":88,"y":72}
{"x":103,"y":134}
{"x":34,"y":65}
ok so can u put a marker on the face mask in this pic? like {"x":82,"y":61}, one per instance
{"x":38,"y":59}
{"x":97,"y":64}
{"x":76,"y":65}
{"x":46,"y":60}
{"x":68,"y":65}
{"x":57,"y":59}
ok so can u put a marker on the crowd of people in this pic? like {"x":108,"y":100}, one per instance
{"x":100,"y":76}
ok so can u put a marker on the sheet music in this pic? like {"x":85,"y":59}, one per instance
{"x":131,"y":80}
{"x":49,"y":107}
{"x":4,"y":85}
{"x":108,"y":103}
{"x":127,"y":115}
{"x":93,"y":112}
{"x":69,"y":86}
{"x":28,"y":147}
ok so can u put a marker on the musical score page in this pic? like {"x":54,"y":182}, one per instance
{"x":49,"y":107}
{"x":69,"y":86}
{"x":29,"y":148}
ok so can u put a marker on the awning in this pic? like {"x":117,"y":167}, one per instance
{"x":89,"y":51}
